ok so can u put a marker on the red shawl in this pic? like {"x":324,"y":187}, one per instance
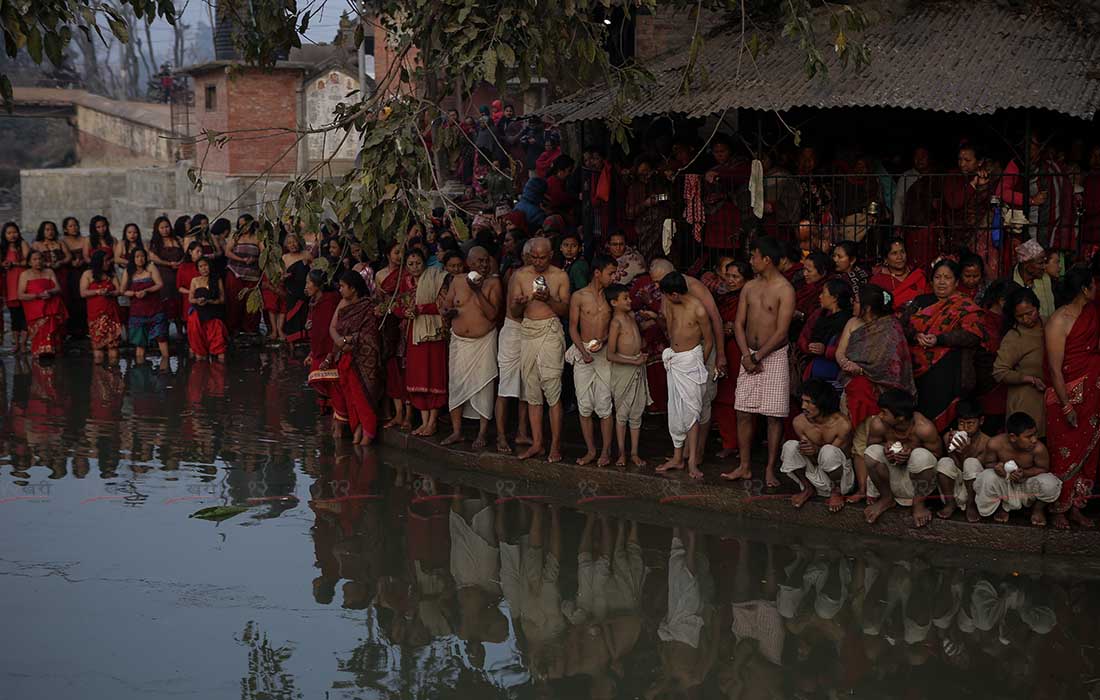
{"x":914,"y":285}
{"x":881,"y":351}
{"x":807,"y":298}
{"x":953,"y":313}
{"x":358,"y":322}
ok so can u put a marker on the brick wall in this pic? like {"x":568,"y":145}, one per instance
{"x":668,"y":29}
{"x":249,"y":99}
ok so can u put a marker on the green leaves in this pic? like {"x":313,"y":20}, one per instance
{"x":217,"y":513}
{"x":489,"y":65}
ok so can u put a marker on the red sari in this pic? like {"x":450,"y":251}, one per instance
{"x":321,"y":311}
{"x":882,"y":353}
{"x":426,"y":369}
{"x":104,"y":320}
{"x":722,"y":408}
{"x":393,"y":333}
{"x":45,"y":318}
{"x":1073,"y":456}
{"x":356,"y":389}
{"x":904,"y":291}
{"x":645,"y":295}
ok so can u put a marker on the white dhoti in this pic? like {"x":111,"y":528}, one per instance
{"x":629,"y":393}
{"x":472,"y":368}
{"x":624,"y":589}
{"x":828,"y":599}
{"x":592,"y":381}
{"x":529,"y":579}
{"x":971,"y":468}
{"x":686,"y":598}
{"x":992,"y":490}
{"x":542,"y":354}
{"x":593,"y":576}
{"x":901,"y":477}
{"x":508,"y":359}
{"x":475,"y":557}
{"x":818,"y":473}
{"x":687,"y":379}
{"x":710,"y":391}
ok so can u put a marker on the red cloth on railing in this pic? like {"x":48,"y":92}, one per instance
{"x":694,"y":213}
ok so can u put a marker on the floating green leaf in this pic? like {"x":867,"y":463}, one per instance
{"x":218,"y":513}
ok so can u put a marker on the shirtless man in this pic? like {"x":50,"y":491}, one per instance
{"x":589,"y":321}
{"x":692,"y":339}
{"x":763,"y":322}
{"x":508,"y":359}
{"x":1017,"y":473}
{"x":821,"y":451}
{"x":956,"y":471}
{"x":543,"y":341}
{"x":902,"y":449}
{"x":629,"y":386}
{"x":717,"y":361}
{"x":472,"y":304}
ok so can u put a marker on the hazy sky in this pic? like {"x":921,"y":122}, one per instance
{"x":322,"y":27}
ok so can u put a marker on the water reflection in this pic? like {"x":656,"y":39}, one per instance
{"x":444,"y":590}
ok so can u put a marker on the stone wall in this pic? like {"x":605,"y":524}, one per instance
{"x":56,"y":193}
{"x":104,"y":135}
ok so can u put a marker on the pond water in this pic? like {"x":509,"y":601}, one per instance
{"x":351,"y":573}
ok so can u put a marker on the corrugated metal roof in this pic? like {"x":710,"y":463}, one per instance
{"x":965,"y":57}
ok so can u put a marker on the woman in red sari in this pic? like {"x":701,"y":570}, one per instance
{"x":14,"y":253}
{"x":57,"y":255}
{"x":100,"y":288}
{"x":945,"y":329}
{"x":816,"y":268}
{"x":42,"y":306}
{"x":392,"y":281}
{"x":645,"y":296}
{"x":896,"y":276}
{"x":1073,"y":397}
{"x":322,"y":306}
{"x":206,"y":332}
{"x":736,"y":275}
{"x":243,"y":254}
{"x":426,"y":360}
{"x":357,"y":358}
{"x":873,"y":355}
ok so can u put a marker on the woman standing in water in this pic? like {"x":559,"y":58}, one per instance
{"x":124,"y":255}
{"x":354,"y":332}
{"x":322,"y":306}
{"x":74,"y":241}
{"x":142,"y":283}
{"x":166,"y":252}
{"x":56,"y":254}
{"x":99,"y":287}
{"x":99,"y":238}
{"x":243,"y":253}
{"x":14,"y":255}
{"x":391,"y":281}
{"x":42,"y":306}
{"x":296,"y":261}
{"x":205,"y":328}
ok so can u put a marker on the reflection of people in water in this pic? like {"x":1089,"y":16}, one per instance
{"x":475,"y":568}
{"x":689,"y":632}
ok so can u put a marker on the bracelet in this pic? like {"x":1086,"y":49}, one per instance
{"x":1067,"y":409}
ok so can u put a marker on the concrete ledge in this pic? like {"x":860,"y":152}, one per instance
{"x":722,"y":507}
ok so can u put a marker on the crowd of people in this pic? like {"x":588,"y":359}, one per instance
{"x":967,"y":379}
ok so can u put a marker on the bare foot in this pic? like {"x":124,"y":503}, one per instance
{"x":857,"y":497}
{"x":1039,"y":517}
{"x":405,"y":426}
{"x":391,"y":423}
{"x":972,"y":514}
{"x":604,"y":460}
{"x":451,"y":439}
{"x":669,"y":466}
{"x":1001,"y":516}
{"x":523,"y":440}
{"x":723,"y":454}
{"x":1078,"y":518}
{"x":554,"y":456}
{"x":638,"y":461}
{"x":802,"y":497}
{"x":478,"y":443}
{"x":694,"y":474}
{"x":771,"y":479}
{"x":836,"y":502}
{"x":502,"y":445}
{"x":921,"y":515}
{"x":587,"y":458}
{"x":1059,"y":521}
{"x":532,"y":451}
{"x":620,"y":463}
{"x":872,"y":513}
{"x":947,"y":511}
{"x":739,"y":473}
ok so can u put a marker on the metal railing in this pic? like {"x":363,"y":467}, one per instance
{"x":937,"y":213}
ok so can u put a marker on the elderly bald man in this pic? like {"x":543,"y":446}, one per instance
{"x":716,"y":362}
{"x":473,"y":303}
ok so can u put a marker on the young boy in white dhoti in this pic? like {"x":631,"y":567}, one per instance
{"x":818,"y":461}
{"x":956,"y":471}
{"x":1017,"y":473}
{"x":691,"y":338}
{"x":629,"y":387}
{"x":589,"y":318}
